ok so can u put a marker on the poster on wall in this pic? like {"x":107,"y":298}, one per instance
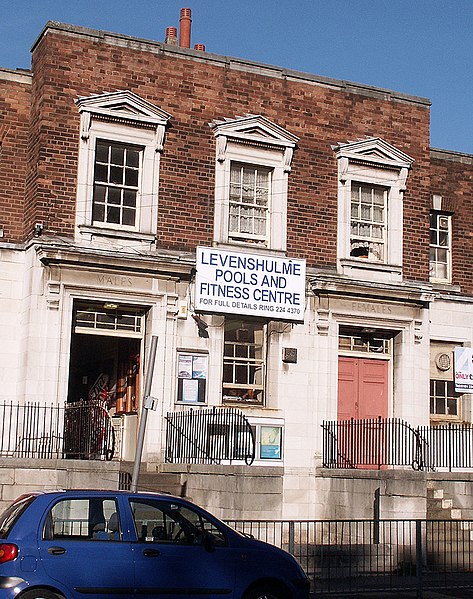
{"x":250,"y":284}
{"x":463,"y":364}
{"x":270,"y":443}
{"x":192,"y":370}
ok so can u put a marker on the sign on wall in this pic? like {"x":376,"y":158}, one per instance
{"x":463,"y":362}
{"x":250,"y":284}
{"x":191,"y":377}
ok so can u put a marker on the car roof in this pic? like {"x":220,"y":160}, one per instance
{"x":96,"y":492}
{"x":51,"y":493}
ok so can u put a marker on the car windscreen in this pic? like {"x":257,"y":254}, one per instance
{"x":12,"y":513}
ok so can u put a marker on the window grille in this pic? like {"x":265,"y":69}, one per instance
{"x":360,"y":344}
{"x":99,"y":320}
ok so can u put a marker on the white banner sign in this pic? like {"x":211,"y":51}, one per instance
{"x":254,"y":285}
{"x":463,"y":362}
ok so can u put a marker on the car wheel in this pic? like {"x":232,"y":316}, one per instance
{"x":39,"y":594}
{"x":266,"y":591}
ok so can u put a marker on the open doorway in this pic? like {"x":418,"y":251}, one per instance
{"x":105,"y":368}
{"x":104,"y":387}
{"x":105,"y":357}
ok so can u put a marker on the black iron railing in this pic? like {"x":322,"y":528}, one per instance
{"x":88,"y":431}
{"x":209,"y":436}
{"x":360,"y":556}
{"x":383,"y":442}
{"x":448,"y":446}
{"x":81,"y":430}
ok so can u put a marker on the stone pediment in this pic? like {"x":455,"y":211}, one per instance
{"x":123,"y":106}
{"x":375,"y":151}
{"x":254,"y":128}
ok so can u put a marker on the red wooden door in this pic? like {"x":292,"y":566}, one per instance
{"x":362,"y":394}
{"x":362,"y":388}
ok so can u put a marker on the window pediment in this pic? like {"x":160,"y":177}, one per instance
{"x":123,"y":104}
{"x":123,"y":107}
{"x":374,"y":151}
{"x":254,"y":128}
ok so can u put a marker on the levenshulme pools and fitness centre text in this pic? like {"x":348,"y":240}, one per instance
{"x":255,"y":285}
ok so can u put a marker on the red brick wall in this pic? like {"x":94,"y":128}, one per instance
{"x":196,"y":93}
{"x":452,"y":178}
{"x":14,"y":123}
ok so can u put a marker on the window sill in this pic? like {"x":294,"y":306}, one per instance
{"x":445,"y":286}
{"x":440,"y":419}
{"x":378,"y":270}
{"x":91,"y":232}
{"x":235,"y":401}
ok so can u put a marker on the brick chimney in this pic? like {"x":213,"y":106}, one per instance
{"x":200,"y":47}
{"x":171,"y":36}
{"x":185,"y":28}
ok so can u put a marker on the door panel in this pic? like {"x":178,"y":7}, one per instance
{"x":347,"y":388}
{"x":362,"y":388}
{"x":80,"y":548}
{"x":373,"y":389}
{"x":171,"y":558}
{"x":362,"y":394}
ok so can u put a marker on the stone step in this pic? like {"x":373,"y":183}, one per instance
{"x":434,"y":493}
{"x":163,"y":482}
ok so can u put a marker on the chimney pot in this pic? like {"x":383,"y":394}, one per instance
{"x":200,"y":47}
{"x":171,"y":36}
{"x":185,"y":28}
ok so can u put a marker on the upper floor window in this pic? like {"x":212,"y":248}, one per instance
{"x":372,"y":178}
{"x":368,"y":221}
{"x":249,"y":203}
{"x":440,"y":246}
{"x":253,"y":163}
{"x":116,"y":183}
{"x":122,"y":136}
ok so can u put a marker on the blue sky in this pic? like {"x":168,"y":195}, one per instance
{"x":418,"y":47}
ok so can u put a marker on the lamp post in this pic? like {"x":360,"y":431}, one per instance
{"x":148,"y":403}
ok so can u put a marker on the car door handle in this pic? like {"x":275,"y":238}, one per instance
{"x":151,"y":552}
{"x":56,"y":550}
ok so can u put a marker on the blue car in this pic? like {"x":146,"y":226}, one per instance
{"x":104,"y":544}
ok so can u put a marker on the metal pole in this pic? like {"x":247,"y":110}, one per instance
{"x":419,"y":560}
{"x":144,"y":414}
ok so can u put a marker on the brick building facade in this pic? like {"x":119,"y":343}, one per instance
{"x":120,"y":157}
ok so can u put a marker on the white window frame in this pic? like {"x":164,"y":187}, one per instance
{"x":124,"y":118}
{"x":257,"y":424}
{"x":252,"y":206}
{"x":434,"y":247}
{"x":255,"y":141}
{"x":372,"y":162}
{"x":109,"y":167}
{"x":367,"y":243}
{"x":238,"y":362}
